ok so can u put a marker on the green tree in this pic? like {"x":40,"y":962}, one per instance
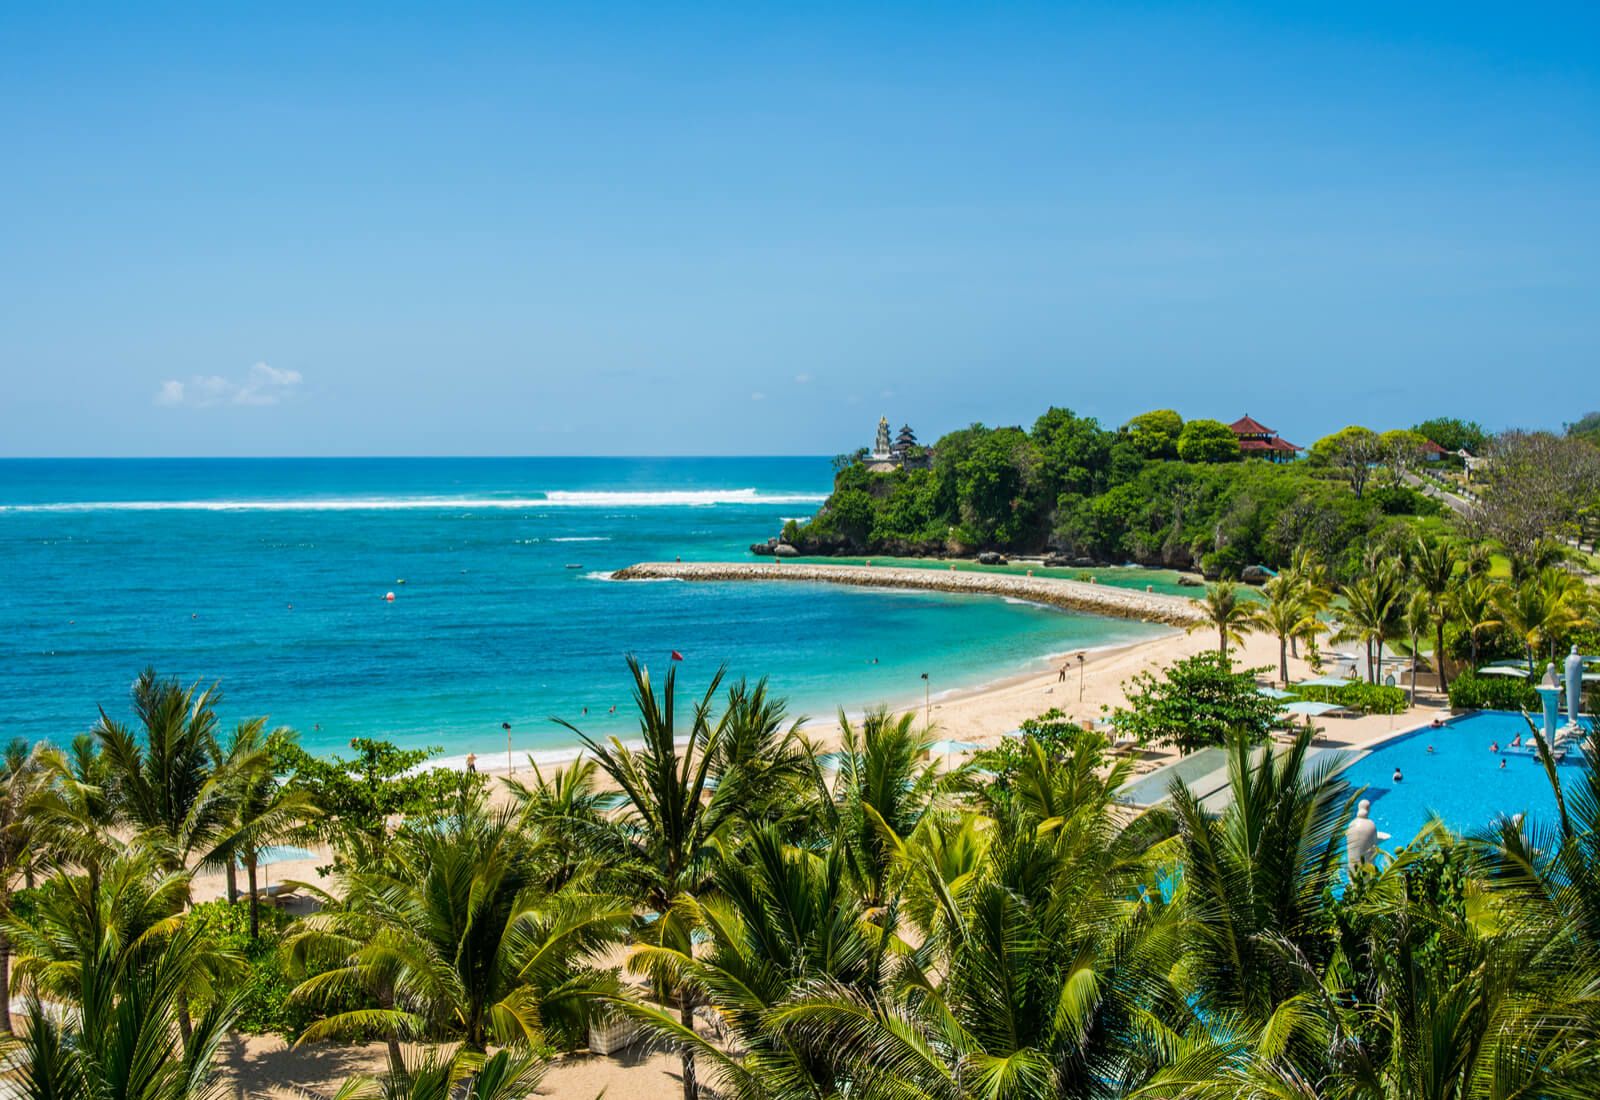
{"x":1434,"y":566}
{"x":1208,"y":441}
{"x":261,"y":810}
{"x":1454,"y":434}
{"x":25,"y":776}
{"x":1372,"y":606}
{"x":164,"y":780}
{"x":1352,"y":451}
{"x":126,"y":1038}
{"x":1155,"y":434}
{"x":1287,"y":614}
{"x":457,"y":938}
{"x":1226,"y":613}
{"x":673,"y":815}
{"x":1198,"y":701}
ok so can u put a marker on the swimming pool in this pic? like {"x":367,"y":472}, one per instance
{"x":1460,"y":781}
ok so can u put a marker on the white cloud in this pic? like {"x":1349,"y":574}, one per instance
{"x":262,"y":384}
{"x":758,"y":396}
{"x":802,"y":378}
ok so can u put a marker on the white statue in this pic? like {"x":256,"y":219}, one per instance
{"x":1361,"y":838}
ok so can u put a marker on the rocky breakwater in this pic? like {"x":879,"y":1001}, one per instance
{"x":1094,"y":599}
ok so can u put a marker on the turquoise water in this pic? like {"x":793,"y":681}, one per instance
{"x":270,"y":576}
{"x":1460,"y":781}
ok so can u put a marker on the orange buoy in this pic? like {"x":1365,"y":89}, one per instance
{"x":389,"y":597}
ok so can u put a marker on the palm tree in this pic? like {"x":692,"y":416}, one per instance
{"x":24,"y":777}
{"x":1372,"y":604}
{"x":259,"y":810}
{"x":1043,"y":976}
{"x":163,"y":779}
{"x":1287,"y":614}
{"x":1223,"y":610}
{"x":1543,"y":608}
{"x":883,"y":789}
{"x":775,"y":920}
{"x":1433,"y":567}
{"x":1475,"y":605}
{"x":1255,"y":878}
{"x":675,"y":811}
{"x":121,"y":918}
{"x":125,"y":1038}
{"x":459,"y":940}
{"x":1415,"y":619}
{"x":452,"y":1075}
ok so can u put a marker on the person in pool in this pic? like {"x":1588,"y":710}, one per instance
{"x":1502,"y":763}
{"x":1516,"y":742}
{"x":1430,"y":750}
{"x":1397,"y":776}
{"x":1494,"y":746}
{"x":1436,"y":724}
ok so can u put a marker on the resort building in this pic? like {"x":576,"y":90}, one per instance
{"x":1257,"y":440}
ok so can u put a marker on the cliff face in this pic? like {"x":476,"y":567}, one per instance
{"x":1094,"y":599}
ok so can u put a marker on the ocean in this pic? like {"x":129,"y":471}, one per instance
{"x":271,"y":577}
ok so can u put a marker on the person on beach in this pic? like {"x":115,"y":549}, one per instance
{"x":1061,"y":677}
{"x":472,"y":763}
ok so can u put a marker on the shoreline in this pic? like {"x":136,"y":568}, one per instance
{"x":1085,"y":597}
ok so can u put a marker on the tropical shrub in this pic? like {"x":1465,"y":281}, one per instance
{"x":1366,"y":698}
{"x":1198,"y":701}
{"x":264,"y":987}
{"x":1470,"y":691}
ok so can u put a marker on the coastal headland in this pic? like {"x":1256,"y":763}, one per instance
{"x":1069,"y":595}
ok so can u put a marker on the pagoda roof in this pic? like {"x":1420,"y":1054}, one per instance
{"x":1273,"y":444}
{"x":1433,"y":448}
{"x":1246,"y":425}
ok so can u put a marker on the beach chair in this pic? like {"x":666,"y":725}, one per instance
{"x":278,"y":893}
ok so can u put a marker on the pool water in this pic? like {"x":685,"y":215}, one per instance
{"x":1461,"y":781}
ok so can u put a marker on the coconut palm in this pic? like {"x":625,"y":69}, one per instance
{"x":452,"y":1075}
{"x":458,"y":939}
{"x":1544,"y":608}
{"x":123,"y":1038}
{"x":883,"y":788}
{"x":121,"y":917}
{"x":259,"y":810}
{"x":1255,"y":877}
{"x":1043,"y":979}
{"x":25,"y":775}
{"x":1434,"y":563}
{"x":674,"y":811}
{"x":163,"y":778}
{"x":1287,"y":614}
{"x":1373,"y":602}
{"x":1415,"y":619}
{"x":774,"y":920}
{"x":1475,"y":604}
{"x":1223,"y":610}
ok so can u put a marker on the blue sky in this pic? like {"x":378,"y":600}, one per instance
{"x":752,"y":229}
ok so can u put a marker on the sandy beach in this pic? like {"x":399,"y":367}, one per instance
{"x":262,"y":1066}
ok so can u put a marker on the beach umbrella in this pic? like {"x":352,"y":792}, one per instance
{"x":1519,"y":673}
{"x":1310,"y":709}
{"x":1274,"y":693}
{"x":950,"y":748}
{"x":1325,"y":682}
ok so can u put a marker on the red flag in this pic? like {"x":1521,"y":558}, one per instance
{"x":676,"y":656}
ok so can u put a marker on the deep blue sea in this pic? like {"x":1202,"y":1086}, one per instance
{"x":269,"y":576}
